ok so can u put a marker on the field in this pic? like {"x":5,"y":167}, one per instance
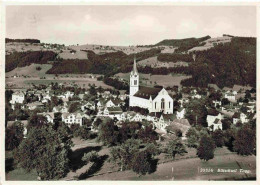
{"x":164,"y":80}
{"x":210,"y":43}
{"x":186,"y":167}
{"x":26,"y":76}
{"x":153,"y":62}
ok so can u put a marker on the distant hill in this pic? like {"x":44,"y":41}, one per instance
{"x":22,"y":40}
{"x":183,"y":44}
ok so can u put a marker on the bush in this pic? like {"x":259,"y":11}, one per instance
{"x":206,"y":148}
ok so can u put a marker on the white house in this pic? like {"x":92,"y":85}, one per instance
{"x":214,"y":122}
{"x":17,"y":97}
{"x":240,"y":117}
{"x":180,"y":113}
{"x":72,"y":118}
{"x":230,"y":96}
{"x":69,"y":94}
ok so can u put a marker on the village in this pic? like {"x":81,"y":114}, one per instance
{"x":84,"y":106}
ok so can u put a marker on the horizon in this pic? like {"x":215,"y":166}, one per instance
{"x":127,"y":25}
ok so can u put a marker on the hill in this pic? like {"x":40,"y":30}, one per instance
{"x":183,"y":44}
{"x":30,"y":70}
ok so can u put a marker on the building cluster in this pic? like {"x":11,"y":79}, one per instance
{"x":147,"y":105}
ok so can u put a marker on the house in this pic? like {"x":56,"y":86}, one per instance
{"x":180,"y":113}
{"x":61,"y":109}
{"x":34,"y":105}
{"x":110,"y":103}
{"x":217,"y":124}
{"x":69,"y":94}
{"x":216,"y":103}
{"x":88,"y":105}
{"x":112,"y":110}
{"x":49,"y":115}
{"x":137,"y":118}
{"x":214,"y":121}
{"x":230,"y":96}
{"x":17,"y":97}
{"x":23,"y":122}
{"x":72,"y":118}
{"x":197,"y":96}
{"x":164,"y":121}
{"x":101,"y":103}
{"x":239,"y":117}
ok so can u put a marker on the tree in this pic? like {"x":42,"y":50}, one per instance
{"x":147,"y":135}
{"x":14,"y":136}
{"x":218,"y":137}
{"x":129,"y":130}
{"x":90,"y":157}
{"x":97,"y":123}
{"x":245,"y":141}
{"x":206,"y":148}
{"x":225,"y":101}
{"x":45,"y":150}
{"x":174,"y":147}
{"x":108,"y":133}
{"x":192,"y":137}
{"x":197,"y":112}
{"x":74,"y":107}
{"x":37,"y":121}
{"x":142,"y":162}
{"x":123,"y":155}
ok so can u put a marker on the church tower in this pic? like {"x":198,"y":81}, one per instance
{"x":134,"y":80}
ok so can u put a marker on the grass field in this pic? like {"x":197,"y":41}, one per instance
{"x":164,"y":80}
{"x":36,"y":77}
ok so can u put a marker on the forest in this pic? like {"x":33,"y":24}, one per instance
{"x":22,"y":59}
{"x":23,"y":40}
{"x":225,"y":64}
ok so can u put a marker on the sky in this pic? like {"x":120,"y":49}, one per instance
{"x":126,"y":25}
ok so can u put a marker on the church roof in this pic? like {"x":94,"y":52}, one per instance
{"x":134,"y":71}
{"x":146,"y":92}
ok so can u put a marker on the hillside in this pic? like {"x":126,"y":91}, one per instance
{"x":30,"y":70}
{"x":225,"y":60}
{"x":183,"y":44}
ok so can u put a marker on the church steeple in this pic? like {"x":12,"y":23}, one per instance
{"x":134,"y":71}
{"x":134,"y":79}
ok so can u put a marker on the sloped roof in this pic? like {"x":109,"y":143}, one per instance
{"x":34,"y":104}
{"x":146,"y":92}
{"x":114,"y":109}
{"x":11,"y":123}
{"x":217,"y":121}
{"x":184,"y":122}
{"x":51,"y":114}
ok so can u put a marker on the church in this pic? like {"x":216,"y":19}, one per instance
{"x":153,"y":99}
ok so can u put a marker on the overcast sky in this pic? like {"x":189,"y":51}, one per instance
{"x":126,"y":25}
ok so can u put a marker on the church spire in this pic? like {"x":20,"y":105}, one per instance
{"x":134,"y":67}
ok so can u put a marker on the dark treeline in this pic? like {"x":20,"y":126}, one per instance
{"x":225,"y":64}
{"x":22,"y":59}
{"x":159,"y":71}
{"x":183,"y":44}
{"x":107,"y":64}
{"x":116,"y":83}
{"x":174,"y":57}
{"x":22,"y":40}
